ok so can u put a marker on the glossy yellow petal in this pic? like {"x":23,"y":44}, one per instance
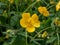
{"x":35,"y":20}
{"x":46,"y":14}
{"x":25,"y":19}
{"x":30,"y":29}
{"x":58,"y":6}
{"x":26,"y":15}
{"x":23,"y":23}
{"x":35,"y":17}
{"x":37,"y":24}
{"x":43,"y":10}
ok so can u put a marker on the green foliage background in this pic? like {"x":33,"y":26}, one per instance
{"x":10,"y":15}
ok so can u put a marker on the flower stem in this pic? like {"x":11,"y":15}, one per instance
{"x":41,"y":31}
{"x":26,"y":38}
{"x":57,"y":36}
{"x":17,"y":7}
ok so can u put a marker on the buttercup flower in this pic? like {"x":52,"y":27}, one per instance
{"x":44,"y":35}
{"x":43,"y":10}
{"x":29,"y":22}
{"x":58,"y":6}
{"x":57,"y":22}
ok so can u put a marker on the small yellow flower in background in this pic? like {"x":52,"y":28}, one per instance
{"x":8,"y":30}
{"x":7,"y":36}
{"x":52,"y":1}
{"x":37,"y":0}
{"x":44,"y":35}
{"x":57,"y":22}
{"x":29,"y":22}
{"x":11,"y":1}
{"x":58,"y":6}
{"x":5,"y":11}
{"x":43,"y":10}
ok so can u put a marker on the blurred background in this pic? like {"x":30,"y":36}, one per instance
{"x":11,"y":32}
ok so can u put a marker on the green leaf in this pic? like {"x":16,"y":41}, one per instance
{"x":5,"y":14}
{"x":20,"y":40}
{"x":48,"y":22}
{"x":2,"y":19}
{"x":14,"y":19}
{"x":52,"y":24}
{"x":16,"y":1}
{"x":1,"y":11}
{"x":5,"y":43}
{"x":50,"y":40}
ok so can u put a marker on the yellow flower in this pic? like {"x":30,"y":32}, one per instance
{"x":29,"y":22}
{"x":37,"y":0}
{"x":43,"y":10}
{"x":58,"y":6}
{"x":57,"y":22}
{"x":44,"y":35}
{"x":7,"y":36}
{"x":11,"y":1}
{"x":8,"y":30}
{"x":52,"y":1}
